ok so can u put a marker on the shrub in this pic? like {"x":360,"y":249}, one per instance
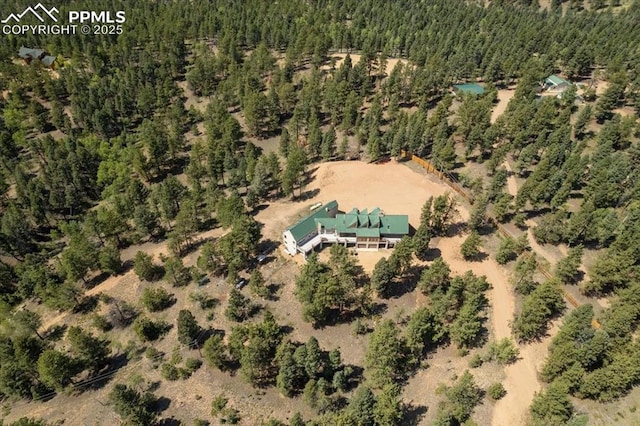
{"x":154,"y":355}
{"x":205,"y":301}
{"x":156,"y":299}
{"x":101,"y":323}
{"x":360,"y":327}
{"x":503,"y":352}
{"x":149,"y":330}
{"x":192,"y":364}
{"x":475,"y":361}
{"x":170,"y":372}
{"x":218,"y":404}
{"x":496,"y":391}
{"x":231,"y":416}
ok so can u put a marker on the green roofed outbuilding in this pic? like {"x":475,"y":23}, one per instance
{"x":556,"y":83}
{"x":29,"y":54}
{"x":468,"y":89}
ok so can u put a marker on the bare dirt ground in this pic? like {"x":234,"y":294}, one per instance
{"x":391,"y":186}
{"x":625,"y":111}
{"x":504,"y":96}
{"x":520,"y":378}
{"x":192,"y":100}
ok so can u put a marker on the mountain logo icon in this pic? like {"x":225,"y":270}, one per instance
{"x":39,"y":11}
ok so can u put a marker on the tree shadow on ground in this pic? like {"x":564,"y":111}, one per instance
{"x":162,"y":404}
{"x":456,"y":228}
{"x":336,"y":317}
{"x":97,"y":280}
{"x":407,"y":284}
{"x":478,"y":257}
{"x":413,"y":414}
{"x":56,"y":332}
{"x":286,"y":329}
{"x":308,"y":194}
{"x":431,"y":254}
{"x":487,"y":229}
{"x":169,"y":422}
{"x":104,"y":376}
{"x":257,"y":209}
{"x":86,"y":305}
{"x":273,"y":291}
{"x":355,"y":378}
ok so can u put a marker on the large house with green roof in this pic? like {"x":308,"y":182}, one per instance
{"x":360,"y":229}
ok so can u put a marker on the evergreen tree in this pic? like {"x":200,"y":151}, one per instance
{"x":188,"y":329}
{"x":56,"y":369}
{"x":213,"y":351}
{"x":387,"y":355}
{"x":470,"y":247}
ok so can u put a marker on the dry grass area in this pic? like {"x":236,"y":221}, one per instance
{"x":199,"y":103}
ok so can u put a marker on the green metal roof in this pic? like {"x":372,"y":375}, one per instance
{"x":471,"y":88}
{"x":556,"y":80}
{"x":366,"y":225}
{"x":397,"y":224}
{"x":26,"y":52}
{"x":368,"y":232}
{"x":308,"y":224}
{"x":48,"y":60}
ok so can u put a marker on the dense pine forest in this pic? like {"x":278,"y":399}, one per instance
{"x":134,"y":173}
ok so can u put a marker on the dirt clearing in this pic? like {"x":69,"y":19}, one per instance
{"x":391,"y":186}
{"x":504,"y":96}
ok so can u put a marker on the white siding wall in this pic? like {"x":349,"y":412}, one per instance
{"x":289,"y":242}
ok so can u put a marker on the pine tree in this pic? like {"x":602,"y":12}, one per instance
{"x":470,"y":248}
{"x":567,"y":267}
{"x":188,"y":329}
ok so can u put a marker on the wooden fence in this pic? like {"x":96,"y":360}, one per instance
{"x":453,"y":184}
{"x":448,"y":179}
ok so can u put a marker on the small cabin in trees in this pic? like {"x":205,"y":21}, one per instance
{"x":360,"y":229}
{"x":555,"y":83}
{"x":27,"y":54}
